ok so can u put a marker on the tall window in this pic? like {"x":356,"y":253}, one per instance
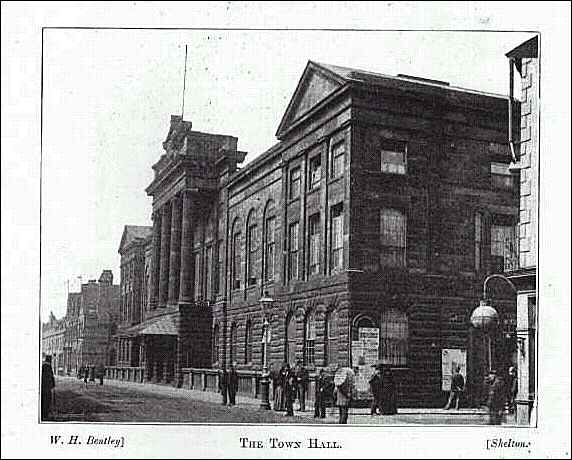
{"x":331,"y":339}
{"x":293,"y":251}
{"x":248,"y":342}
{"x":251,"y":253}
{"x":501,"y":177}
{"x":393,"y":337}
{"x":218,"y":267}
{"x":236,"y":260}
{"x":338,"y":155}
{"x":393,"y":157}
{"x":294,"y":183}
{"x":209,"y":271}
{"x":310,"y":339}
{"x":314,"y":244}
{"x":290,"y":347}
{"x":315,"y":173}
{"x":503,"y":246}
{"x":233,"y":342}
{"x":393,"y":231}
{"x":216,"y":344}
{"x":197,"y":284}
{"x":269,"y":249}
{"x":478,"y":240}
{"x":337,"y":249}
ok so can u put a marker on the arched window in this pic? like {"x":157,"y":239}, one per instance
{"x":235,"y":265}
{"x":233,"y":342}
{"x":331,"y":339}
{"x":269,"y":243}
{"x":251,"y":248}
{"x":248,"y":342}
{"x":216,"y":344}
{"x":394,"y":333}
{"x":290,"y":349}
{"x":360,"y":323}
{"x":310,"y":339}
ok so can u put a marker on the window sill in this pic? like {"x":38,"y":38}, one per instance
{"x":293,"y":200}
{"x":333,"y":180}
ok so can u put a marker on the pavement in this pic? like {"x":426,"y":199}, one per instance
{"x":153,"y":404}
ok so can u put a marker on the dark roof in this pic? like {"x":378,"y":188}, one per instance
{"x":528,"y":49}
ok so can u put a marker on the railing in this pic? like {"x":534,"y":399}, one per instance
{"x":128,"y":374}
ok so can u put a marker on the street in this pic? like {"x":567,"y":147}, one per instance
{"x":132,"y":402}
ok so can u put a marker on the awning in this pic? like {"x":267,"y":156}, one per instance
{"x":164,"y":326}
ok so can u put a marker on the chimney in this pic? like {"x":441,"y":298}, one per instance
{"x":106,"y":277}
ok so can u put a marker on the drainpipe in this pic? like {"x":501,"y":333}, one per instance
{"x":510,"y":111}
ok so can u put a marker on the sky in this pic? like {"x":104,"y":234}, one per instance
{"x":109,"y":95}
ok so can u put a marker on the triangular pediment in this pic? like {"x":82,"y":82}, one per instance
{"x":132,"y":232}
{"x":315,"y":85}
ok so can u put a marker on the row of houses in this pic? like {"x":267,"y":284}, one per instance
{"x":365,"y":233}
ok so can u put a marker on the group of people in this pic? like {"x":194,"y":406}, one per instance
{"x":499,"y":393}
{"x":289,"y":384}
{"x":228,"y":385}
{"x":384,"y":391}
{"x":89,"y":373}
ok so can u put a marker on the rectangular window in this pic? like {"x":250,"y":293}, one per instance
{"x":393,"y":337}
{"x":236,"y":261}
{"x":504,"y":247}
{"x":197,"y":283}
{"x":310,"y":341}
{"x":478,"y":240}
{"x":314,"y":244}
{"x":293,"y":250}
{"x":337,"y":249}
{"x":218,"y":267}
{"x":393,"y":157}
{"x":393,"y":231}
{"x":270,"y":249}
{"x":501,"y":177}
{"x":338,"y":158}
{"x":251,"y":255}
{"x":294,"y":183}
{"x":315,"y":171}
{"x":209,"y":271}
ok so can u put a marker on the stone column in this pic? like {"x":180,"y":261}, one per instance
{"x":186,"y":250}
{"x":164,"y":262}
{"x":175,"y":252}
{"x":155,"y":261}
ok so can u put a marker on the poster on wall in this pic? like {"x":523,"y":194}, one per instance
{"x":450,"y":359}
{"x":365,"y":353}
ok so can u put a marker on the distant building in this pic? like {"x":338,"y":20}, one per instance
{"x":53,"y":334}
{"x":90,"y":323}
{"x":524,"y":58}
{"x":371,"y":225}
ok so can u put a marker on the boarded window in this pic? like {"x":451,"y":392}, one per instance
{"x":294,"y":183}
{"x":394,"y":335}
{"x":501,"y":177}
{"x":393,"y":157}
{"x":393,"y":231}
{"x":337,"y":248}
{"x":338,"y":159}
{"x":315,"y":171}
{"x":504,"y":246}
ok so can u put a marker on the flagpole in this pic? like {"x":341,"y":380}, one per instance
{"x":184,"y":85}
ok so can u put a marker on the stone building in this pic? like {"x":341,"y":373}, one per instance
{"x":132,"y":287}
{"x":90,"y":323}
{"x":53,"y":333}
{"x":371,"y":224}
{"x":524,"y":58}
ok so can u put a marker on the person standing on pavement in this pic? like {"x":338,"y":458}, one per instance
{"x":100,"y":372}
{"x":344,"y":381}
{"x":85,"y":375}
{"x":302,"y":380}
{"x":48,"y":384}
{"x":388,"y":392}
{"x":496,"y":398}
{"x":320,"y":395}
{"x":223,"y":384}
{"x":232,"y":385}
{"x":513,"y":389}
{"x":290,"y":390}
{"x":375,"y":388}
{"x":457,"y":387}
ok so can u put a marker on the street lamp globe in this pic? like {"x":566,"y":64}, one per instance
{"x":484,"y":317}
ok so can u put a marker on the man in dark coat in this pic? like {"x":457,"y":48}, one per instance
{"x":388,"y":392}
{"x":320,"y":395}
{"x":457,"y":387}
{"x":375,"y":388}
{"x":232,"y":386}
{"x":223,"y":384}
{"x":290,"y":390}
{"x":302,"y":380}
{"x":48,"y":384}
{"x":496,"y":397}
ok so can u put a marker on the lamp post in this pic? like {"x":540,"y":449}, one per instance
{"x":265,"y":303}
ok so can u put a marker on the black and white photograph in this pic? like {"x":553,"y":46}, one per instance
{"x":249,"y":230}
